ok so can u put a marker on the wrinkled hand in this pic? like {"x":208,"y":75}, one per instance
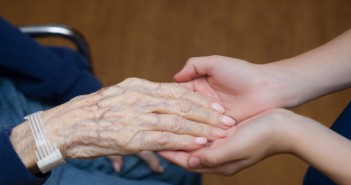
{"x":243,"y":88}
{"x":133,"y":116}
{"x":148,"y":157}
{"x":248,"y":143}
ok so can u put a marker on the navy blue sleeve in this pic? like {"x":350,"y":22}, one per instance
{"x":54,"y":74}
{"x":12,"y":170}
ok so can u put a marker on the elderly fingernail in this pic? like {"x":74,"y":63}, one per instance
{"x":218,"y":107}
{"x":201,"y":140}
{"x":228,"y":120}
{"x":194,"y":162}
{"x":220,"y":133}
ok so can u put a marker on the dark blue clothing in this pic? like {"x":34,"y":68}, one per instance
{"x":15,"y":105}
{"x":12,"y":170}
{"x":342,"y":126}
{"x":51,"y":74}
{"x":42,"y":73}
{"x":30,"y":72}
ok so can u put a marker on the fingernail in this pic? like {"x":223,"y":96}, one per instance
{"x":201,"y":140}
{"x":194,"y":162}
{"x":228,"y":120}
{"x":218,"y":107}
{"x":220,"y":133}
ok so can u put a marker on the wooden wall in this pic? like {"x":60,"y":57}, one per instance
{"x":153,"y":38}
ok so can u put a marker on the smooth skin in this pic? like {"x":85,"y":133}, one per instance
{"x":250,"y":93}
{"x":127,"y":118}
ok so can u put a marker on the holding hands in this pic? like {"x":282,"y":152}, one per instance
{"x":243,"y":88}
{"x":191,"y":123}
{"x":254,"y":94}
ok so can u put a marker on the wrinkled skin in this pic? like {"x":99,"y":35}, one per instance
{"x":133,"y":116}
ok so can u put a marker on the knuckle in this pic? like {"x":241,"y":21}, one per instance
{"x":108,"y":91}
{"x":164,"y":140}
{"x":214,"y":118}
{"x":178,"y":91}
{"x":176,"y":123}
{"x":131,"y":81}
{"x":131,"y":92}
{"x":152,"y":121}
{"x":184,"y":107}
{"x":134,"y":96}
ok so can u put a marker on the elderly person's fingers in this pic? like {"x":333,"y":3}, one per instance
{"x":179,"y":125}
{"x":125,"y":119}
{"x":157,"y":122}
{"x":139,"y":102}
{"x":194,"y":112}
{"x":117,"y":162}
{"x":154,"y":140}
{"x":151,"y":160}
{"x":95,"y":143}
{"x":148,"y":157}
{"x":171,"y":90}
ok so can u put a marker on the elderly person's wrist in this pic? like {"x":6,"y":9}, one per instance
{"x":23,"y":143}
{"x":23,"y":140}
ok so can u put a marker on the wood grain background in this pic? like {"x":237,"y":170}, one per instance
{"x":152,"y":39}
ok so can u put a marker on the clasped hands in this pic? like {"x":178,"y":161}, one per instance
{"x":191,"y":123}
{"x":251,"y":94}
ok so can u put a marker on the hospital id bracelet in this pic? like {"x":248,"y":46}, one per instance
{"x":48,"y":156}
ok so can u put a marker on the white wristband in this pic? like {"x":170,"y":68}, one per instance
{"x":47,"y":154}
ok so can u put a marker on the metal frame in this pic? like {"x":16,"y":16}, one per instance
{"x":59,"y":30}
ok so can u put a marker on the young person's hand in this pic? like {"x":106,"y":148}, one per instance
{"x":243,"y":88}
{"x":249,"y":142}
{"x":275,"y":131}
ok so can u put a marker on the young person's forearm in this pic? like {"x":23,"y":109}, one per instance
{"x":323,"y":149}
{"x":318,"y":72}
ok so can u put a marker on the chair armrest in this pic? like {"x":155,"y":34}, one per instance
{"x":59,"y":30}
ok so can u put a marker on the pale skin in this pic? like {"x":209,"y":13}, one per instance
{"x":250,"y":93}
{"x":132,"y":116}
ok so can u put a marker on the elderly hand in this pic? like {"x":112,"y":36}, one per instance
{"x":127,"y":118}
